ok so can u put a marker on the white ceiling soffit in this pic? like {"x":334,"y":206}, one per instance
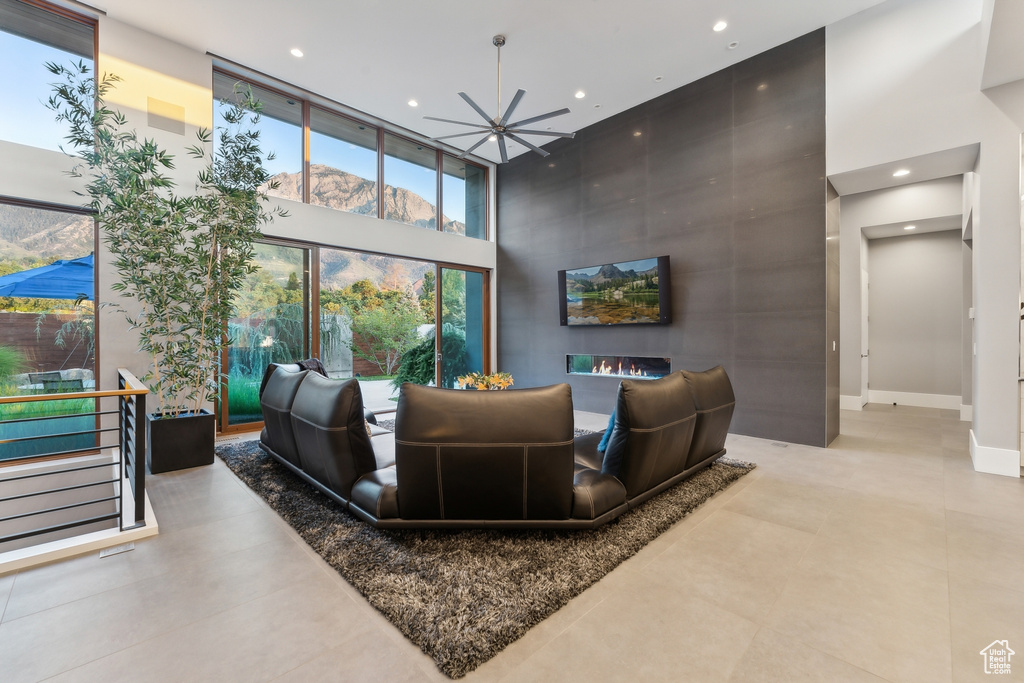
{"x":875,"y":232}
{"x":1004,"y":52}
{"x":942,"y":164}
{"x":375,"y":56}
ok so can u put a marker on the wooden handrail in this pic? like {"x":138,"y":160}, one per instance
{"x":138,"y":389}
{"x":131,"y":379}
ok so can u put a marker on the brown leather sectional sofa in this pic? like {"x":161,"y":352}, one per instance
{"x":493,"y":458}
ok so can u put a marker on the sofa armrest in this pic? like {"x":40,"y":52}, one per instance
{"x":377,"y":493}
{"x":594,"y":494}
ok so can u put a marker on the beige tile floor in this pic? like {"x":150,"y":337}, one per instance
{"x":883,"y":557}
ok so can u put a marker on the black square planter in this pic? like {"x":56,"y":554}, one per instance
{"x":177,"y":443}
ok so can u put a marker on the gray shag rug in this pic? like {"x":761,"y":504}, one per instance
{"x":463,"y":596}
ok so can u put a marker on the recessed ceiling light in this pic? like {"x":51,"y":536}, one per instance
{"x":597,"y":106}
{"x":637,"y":133}
{"x":720,"y":26}
{"x":733,"y":45}
{"x":580,"y":94}
{"x":762,"y":87}
{"x":900,"y":173}
{"x":657,"y":79}
{"x":551,"y":165}
{"x":296,"y":52}
{"x":493,"y":138}
{"x":909,"y":227}
{"x":413,"y":103}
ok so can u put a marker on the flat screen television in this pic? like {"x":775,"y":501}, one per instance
{"x":626,"y":293}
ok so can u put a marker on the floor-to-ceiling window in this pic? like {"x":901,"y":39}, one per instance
{"x":378,"y":317}
{"x":47,"y":289}
{"x":270,"y":325}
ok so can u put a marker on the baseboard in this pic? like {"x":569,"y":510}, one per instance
{"x":994,"y":460}
{"x":906,"y":398}
{"x":851,"y":402}
{"x":966,"y":413}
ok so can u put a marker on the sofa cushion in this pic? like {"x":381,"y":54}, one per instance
{"x":654,"y":422}
{"x":279,"y":388}
{"x":330,"y":432}
{"x":715,"y":401}
{"x":484,"y":454}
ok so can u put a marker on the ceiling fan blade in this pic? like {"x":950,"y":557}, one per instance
{"x":457,"y":135}
{"x":549,"y":133}
{"x":501,"y":148}
{"x":475,"y":106}
{"x":461,"y":123}
{"x":512,"y":106}
{"x":523,"y":142}
{"x":470,"y":150}
{"x":549,"y":115}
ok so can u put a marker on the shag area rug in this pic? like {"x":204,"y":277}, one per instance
{"x":464,"y":595}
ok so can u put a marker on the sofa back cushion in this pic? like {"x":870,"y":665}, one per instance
{"x":484,"y":454}
{"x":333,"y":446}
{"x":715,"y":401}
{"x":280,"y":384}
{"x":654,"y":421}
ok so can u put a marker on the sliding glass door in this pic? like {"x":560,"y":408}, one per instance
{"x":270,"y":325}
{"x":461,"y":344}
{"x":382,"y":319}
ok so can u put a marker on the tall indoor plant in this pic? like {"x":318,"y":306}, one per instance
{"x":180,"y":258}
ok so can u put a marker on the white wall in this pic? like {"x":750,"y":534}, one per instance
{"x":903,"y":80}
{"x":915,"y":314}
{"x":914,"y":202}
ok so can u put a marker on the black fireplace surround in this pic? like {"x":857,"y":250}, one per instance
{"x":462,"y":459}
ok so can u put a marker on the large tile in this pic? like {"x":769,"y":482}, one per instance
{"x":880,"y":526}
{"x":255,"y":641}
{"x":6,"y":584}
{"x":982,"y":549}
{"x":736,"y":562}
{"x":981,"y":613}
{"x":368,"y":657}
{"x":791,"y":504}
{"x":887,"y":616}
{"x":645,"y":631}
{"x":774,"y":658}
{"x":981,"y":494}
{"x":80,"y":631}
{"x":177,"y":551}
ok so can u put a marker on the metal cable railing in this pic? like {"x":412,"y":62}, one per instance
{"x":62,"y":493}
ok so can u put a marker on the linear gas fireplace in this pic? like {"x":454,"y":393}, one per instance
{"x":631,"y":367}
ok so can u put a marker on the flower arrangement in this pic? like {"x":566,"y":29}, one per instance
{"x":481,"y":382}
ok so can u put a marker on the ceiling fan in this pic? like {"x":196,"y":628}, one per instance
{"x":499,"y":127}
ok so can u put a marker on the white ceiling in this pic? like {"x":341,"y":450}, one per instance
{"x":942,"y":164}
{"x":874,"y":232}
{"x":376,"y":55}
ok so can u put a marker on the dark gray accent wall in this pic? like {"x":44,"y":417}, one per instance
{"x":725,"y":175}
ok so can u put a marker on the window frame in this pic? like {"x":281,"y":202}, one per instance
{"x":310,"y":102}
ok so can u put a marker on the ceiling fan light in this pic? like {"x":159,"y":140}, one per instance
{"x":493,"y":138}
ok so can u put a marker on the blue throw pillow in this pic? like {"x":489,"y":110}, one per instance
{"x":607,"y":434}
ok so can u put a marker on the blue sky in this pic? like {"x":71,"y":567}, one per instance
{"x":638,"y":266}
{"x":24,"y":117}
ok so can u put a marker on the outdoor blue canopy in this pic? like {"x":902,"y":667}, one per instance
{"x":67,"y":279}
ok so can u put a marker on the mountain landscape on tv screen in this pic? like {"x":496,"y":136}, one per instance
{"x":613,"y":294}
